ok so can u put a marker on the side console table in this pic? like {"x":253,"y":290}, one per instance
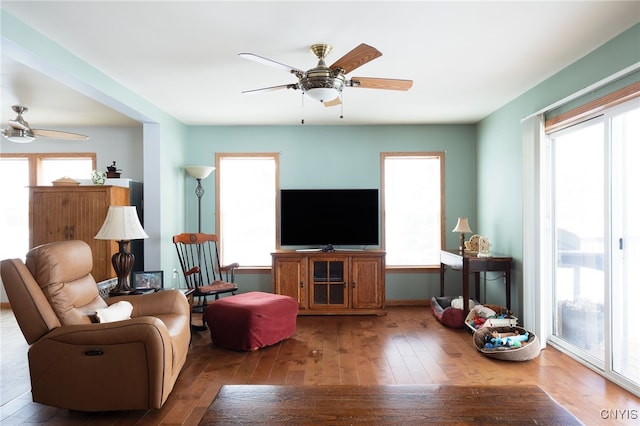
{"x":470,"y":262}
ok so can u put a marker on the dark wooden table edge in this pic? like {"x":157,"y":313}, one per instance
{"x":345,"y":397}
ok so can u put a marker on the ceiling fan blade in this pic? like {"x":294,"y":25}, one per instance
{"x":334,"y":102}
{"x":270,"y":62}
{"x":357,"y":57}
{"x":271,"y":89}
{"x":18,"y":125}
{"x":56,"y":134}
{"x":381,"y":83}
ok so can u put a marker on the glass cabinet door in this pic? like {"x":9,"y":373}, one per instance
{"x":329,"y":285}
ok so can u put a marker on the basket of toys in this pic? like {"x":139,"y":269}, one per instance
{"x":507,"y":343}
{"x":490,"y":316}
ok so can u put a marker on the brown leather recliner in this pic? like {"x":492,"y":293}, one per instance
{"x":81,"y":365}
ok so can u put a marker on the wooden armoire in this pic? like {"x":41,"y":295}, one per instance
{"x":59,"y":213}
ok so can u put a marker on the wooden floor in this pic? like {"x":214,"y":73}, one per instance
{"x":408,"y":346}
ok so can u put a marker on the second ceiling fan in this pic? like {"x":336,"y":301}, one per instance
{"x":325,"y":83}
{"x":19,"y":131}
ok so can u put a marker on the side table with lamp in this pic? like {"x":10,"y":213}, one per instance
{"x":474,"y":262}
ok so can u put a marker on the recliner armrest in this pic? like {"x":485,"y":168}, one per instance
{"x":162,"y":302}
{"x":145,"y":329}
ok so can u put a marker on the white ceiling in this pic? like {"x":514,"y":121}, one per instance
{"x":466,"y":58}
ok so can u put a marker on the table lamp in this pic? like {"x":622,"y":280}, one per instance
{"x":462,"y":227}
{"x":199,"y":173}
{"x":122,"y":225}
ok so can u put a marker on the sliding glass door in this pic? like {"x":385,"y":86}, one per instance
{"x":595,"y":234}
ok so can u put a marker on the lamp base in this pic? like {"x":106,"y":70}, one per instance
{"x":461,"y":247}
{"x":122,"y":262}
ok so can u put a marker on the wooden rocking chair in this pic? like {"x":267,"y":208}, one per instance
{"x":200,"y":262}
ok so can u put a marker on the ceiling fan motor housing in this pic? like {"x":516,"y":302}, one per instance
{"x":322,"y":83}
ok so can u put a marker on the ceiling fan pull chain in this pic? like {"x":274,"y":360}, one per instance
{"x":341,"y":107}
{"x":302,"y":121}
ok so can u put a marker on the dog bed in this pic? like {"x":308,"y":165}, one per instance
{"x":446,"y":314}
{"x":526,"y":352}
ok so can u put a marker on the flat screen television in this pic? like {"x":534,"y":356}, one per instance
{"x":329,"y":217}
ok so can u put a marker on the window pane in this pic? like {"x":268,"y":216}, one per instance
{"x":14,"y":219}
{"x":625,"y":342}
{"x":579,"y":219}
{"x":247,"y":209}
{"x":55,"y":168}
{"x":412,"y":210}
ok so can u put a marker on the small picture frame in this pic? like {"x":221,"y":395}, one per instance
{"x":148,"y":280}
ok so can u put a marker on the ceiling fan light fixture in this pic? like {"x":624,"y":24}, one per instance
{"x":322,"y":94}
{"x":19,"y":135}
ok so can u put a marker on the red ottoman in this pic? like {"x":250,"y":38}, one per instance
{"x":250,"y":321}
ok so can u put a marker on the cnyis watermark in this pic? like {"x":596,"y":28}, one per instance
{"x":616,"y":414}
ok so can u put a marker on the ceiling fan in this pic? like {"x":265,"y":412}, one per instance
{"x":325,"y":83}
{"x":19,"y":130}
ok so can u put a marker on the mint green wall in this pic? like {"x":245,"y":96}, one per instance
{"x":499,"y":161}
{"x":342,"y":157}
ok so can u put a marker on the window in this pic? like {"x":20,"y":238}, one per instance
{"x":52,"y":168}
{"x":246,"y":200}
{"x":18,"y":172}
{"x":413,"y":208}
{"x":14,"y":224}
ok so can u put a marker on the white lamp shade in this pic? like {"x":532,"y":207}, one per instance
{"x":121,"y":224}
{"x":199,"y":172}
{"x":462,"y":226}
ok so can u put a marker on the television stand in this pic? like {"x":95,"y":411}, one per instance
{"x":332,"y":283}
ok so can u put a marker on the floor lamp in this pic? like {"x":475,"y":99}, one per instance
{"x":199,"y":173}
{"x":122,"y":225}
